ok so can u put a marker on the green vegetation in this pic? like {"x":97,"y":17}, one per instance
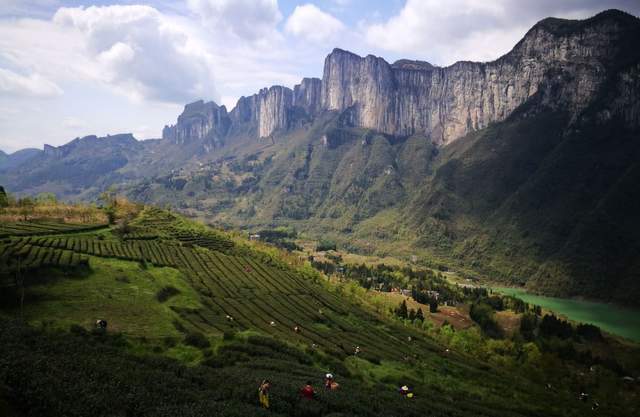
{"x":207,"y":315}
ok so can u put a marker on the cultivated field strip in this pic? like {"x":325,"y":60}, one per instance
{"x":237,"y":292}
{"x":44,"y":228}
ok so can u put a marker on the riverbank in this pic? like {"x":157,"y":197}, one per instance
{"x":621,"y":321}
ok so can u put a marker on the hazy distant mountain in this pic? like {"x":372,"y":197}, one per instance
{"x":524,"y":168}
{"x":11,"y":161}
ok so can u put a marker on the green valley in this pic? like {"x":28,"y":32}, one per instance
{"x":389,"y":238}
{"x":185,"y":302}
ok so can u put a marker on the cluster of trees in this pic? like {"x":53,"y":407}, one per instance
{"x":421,"y":282}
{"x":8,"y":200}
{"x":280,"y":237}
{"x":485,"y":305}
{"x":409,"y":314}
{"x":326,"y":245}
{"x":25,"y":206}
{"x":551,"y":326}
{"x":482,"y":312}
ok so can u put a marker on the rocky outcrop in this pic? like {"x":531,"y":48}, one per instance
{"x":273,"y":109}
{"x":569,"y":58}
{"x":265,"y":112}
{"x":52,"y":151}
{"x":308,"y":95}
{"x":202,"y":121}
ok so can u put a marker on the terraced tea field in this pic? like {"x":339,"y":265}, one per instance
{"x":237,"y":292}
{"x":229,"y":294}
{"x":44,"y":228}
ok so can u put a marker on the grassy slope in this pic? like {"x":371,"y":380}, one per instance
{"x":80,"y":365}
{"x":115,"y":289}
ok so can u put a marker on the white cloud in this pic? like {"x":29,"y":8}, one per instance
{"x":73,"y":123}
{"x":311,"y":23}
{"x":247,"y":19}
{"x":34,"y":85}
{"x":442,"y":30}
{"x":142,"y":52}
{"x":445,"y":32}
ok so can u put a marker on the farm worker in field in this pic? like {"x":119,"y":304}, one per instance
{"x":357,"y":350}
{"x":307,"y":391}
{"x":263,"y":393}
{"x":296,"y":329}
{"x":101,"y":324}
{"x":273,"y":324}
{"x":406,"y":392}
{"x":330,"y":383}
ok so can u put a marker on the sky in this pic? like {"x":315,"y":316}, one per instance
{"x":71,"y":68}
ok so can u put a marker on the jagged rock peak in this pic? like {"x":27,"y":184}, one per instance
{"x":205,"y":121}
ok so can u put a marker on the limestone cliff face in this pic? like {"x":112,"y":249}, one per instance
{"x":264,"y":112}
{"x":562,"y":63}
{"x":570,"y":58}
{"x":199,"y":121}
{"x":273,"y":108}
{"x":308,"y":95}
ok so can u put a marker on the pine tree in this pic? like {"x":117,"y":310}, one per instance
{"x":402,"y":310}
{"x":412,"y":314}
{"x":4,"y":201}
{"x":420,"y":315}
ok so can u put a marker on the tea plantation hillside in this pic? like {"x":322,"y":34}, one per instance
{"x":198,"y":317}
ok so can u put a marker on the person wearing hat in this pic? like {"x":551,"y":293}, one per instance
{"x":330,"y":383}
{"x":406,"y":392}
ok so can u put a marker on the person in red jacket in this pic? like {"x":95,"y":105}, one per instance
{"x":307,"y":391}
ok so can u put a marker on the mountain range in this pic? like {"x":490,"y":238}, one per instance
{"x":523,"y":169}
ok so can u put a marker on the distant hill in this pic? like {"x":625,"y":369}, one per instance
{"x":13,"y":160}
{"x":520,"y":170}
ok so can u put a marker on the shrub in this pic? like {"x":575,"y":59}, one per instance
{"x":196,"y":339}
{"x":166,"y":292}
{"x":77,"y":329}
{"x":589,"y":332}
{"x":326,"y":245}
{"x":170,"y":342}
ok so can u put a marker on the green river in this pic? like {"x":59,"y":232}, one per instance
{"x":610,"y":318}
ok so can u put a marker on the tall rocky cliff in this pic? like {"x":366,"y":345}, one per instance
{"x":407,"y":97}
{"x":199,"y":121}
{"x":561,"y":62}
